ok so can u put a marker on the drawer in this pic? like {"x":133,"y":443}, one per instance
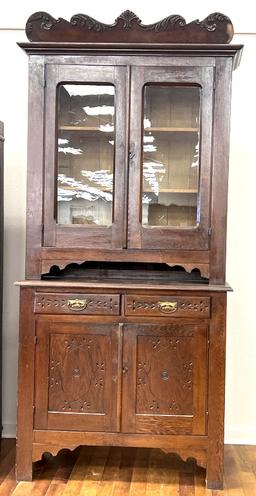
{"x":180,"y":306}
{"x":86,"y":304}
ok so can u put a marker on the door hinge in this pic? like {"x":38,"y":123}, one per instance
{"x":131,"y":153}
{"x":35,"y":340}
{"x":209,"y":231}
{"x":207,"y":413}
{"x":208,"y":343}
{"x":44,"y":83}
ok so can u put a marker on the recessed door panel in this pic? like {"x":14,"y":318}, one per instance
{"x":164,"y":380}
{"x":76,"y":376}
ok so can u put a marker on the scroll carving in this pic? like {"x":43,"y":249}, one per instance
{"x":61,"y":304}
{"x":128,"y":28}
{"x":200,"y":306}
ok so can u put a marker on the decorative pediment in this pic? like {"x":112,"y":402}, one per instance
{"x":128,"y":28}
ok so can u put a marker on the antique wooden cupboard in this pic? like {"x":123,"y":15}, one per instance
{"x":122,"y":313}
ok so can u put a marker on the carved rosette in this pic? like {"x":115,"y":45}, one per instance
{"x":192,"y":307}
{"x":128,"y":28}
{"x":89,"y":304}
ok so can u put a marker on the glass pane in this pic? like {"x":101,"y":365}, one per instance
{"x":85,"y":158}
{"x":170,"y":195}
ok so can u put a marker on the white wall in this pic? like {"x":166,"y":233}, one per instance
{"x":241,"y":266}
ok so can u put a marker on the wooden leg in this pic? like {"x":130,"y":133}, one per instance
{"x":23,"y":466}
{"x":215,"y":452}
{"x":214,"y":472}
{"x":214,"y":485}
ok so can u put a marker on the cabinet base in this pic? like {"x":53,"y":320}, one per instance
{"x":52,"y":442}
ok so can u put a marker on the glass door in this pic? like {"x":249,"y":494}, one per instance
{"x":170,"y":159}
{"x":85,"y":157}
{"x":85,"y":193}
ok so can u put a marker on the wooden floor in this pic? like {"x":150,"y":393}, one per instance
{"x":126,"y":471}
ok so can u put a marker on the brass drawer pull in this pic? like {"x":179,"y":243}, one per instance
{"x":77,"y":305}
{"x":168,"y":306}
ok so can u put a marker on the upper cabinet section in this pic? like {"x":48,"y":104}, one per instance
{"x":128,"y":141}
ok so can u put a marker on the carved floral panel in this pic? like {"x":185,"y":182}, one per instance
{"x":164,"y":375}
{"x":77,"y":369}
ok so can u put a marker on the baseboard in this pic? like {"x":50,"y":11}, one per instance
{"x":240,"y":436}
{"x":9,"y":430}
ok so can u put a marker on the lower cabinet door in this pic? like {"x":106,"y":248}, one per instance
{"x":165,"y":378}
{"x":76,"y":376}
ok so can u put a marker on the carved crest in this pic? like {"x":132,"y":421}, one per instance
{"x":128,"y":28}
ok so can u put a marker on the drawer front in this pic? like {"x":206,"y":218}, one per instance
{"x":166,"y":306}
{"x":85,"y":304}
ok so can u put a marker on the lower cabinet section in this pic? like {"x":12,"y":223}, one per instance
{"x":147,"y":380}
{"x":162,"y":375}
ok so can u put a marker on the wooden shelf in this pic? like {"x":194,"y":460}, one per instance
{"x":83,"y":128}
{"x":164,"y":190}
{"x":172,"y":129}
{"x":71,"y":188}
{"x":172,"y":190}
{"x":147,"y":130}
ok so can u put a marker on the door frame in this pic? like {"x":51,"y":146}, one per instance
{"x":153,"y":237}
{"x":68,"y":236}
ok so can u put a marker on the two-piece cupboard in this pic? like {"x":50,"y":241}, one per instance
{"x":122,"y":314}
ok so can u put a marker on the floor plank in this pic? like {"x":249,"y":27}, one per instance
{"x":110,"y":473}
{"x":104,"y":471}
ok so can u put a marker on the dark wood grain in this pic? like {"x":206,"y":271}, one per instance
{"x":25,"y":387}
{"x":74,"y":236}
{"x":92,"y":304}
{"x":220,"y":163}
{"x":201,"y":53}
{"x":216,"y":28}
{"x":129,"y":352}
{"x":216,"y":399}
{"x":113,"y":354}
{"x":75,"y":438}
{"x":178,"y":307}
{"x":164,"y":385}
{"x":34,"y":216}
{"x":76,"y":385}
{"x":64,"y":256}
{"x":96,"y":286}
